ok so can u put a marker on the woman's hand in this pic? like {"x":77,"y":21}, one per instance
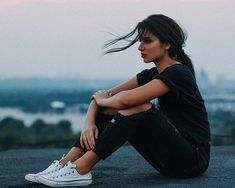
{"x":89,"y":133}
{"x":101,"y":95}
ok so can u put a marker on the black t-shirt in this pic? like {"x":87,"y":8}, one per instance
{"x":183,"y":105}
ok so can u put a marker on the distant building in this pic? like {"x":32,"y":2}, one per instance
{"x":58,"y":106}
{"x":203,"y":80}
{"x":220,"y":102}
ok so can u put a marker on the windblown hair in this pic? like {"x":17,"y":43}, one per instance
{"x":165,"y":29}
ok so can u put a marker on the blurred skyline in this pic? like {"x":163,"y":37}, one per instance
{"x":63,"y":38}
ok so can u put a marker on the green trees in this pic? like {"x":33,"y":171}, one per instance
{"x":14,"y":134}
{"x":11,"y":132}
{"x":222,"y":127}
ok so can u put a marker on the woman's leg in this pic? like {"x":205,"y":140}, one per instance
{"x":163,"y":146}
{"x":101,"y":122}
{"x":114,"y":135}
{"x":73,"y":154}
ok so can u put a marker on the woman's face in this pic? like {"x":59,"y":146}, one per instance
{"x":151,"y":48}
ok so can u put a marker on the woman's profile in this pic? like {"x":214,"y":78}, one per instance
{"x":172,"y":135}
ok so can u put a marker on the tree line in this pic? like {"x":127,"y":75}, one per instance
{"x":14,"y":134}
{"x":39,"y":101}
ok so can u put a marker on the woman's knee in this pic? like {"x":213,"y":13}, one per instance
{"x":135,"y":109}
{"x":102,"y":120}
{"x":108,"y":111}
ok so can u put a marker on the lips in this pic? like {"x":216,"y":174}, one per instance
{"x":143,"y":55}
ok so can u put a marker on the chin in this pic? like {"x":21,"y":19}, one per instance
{"x":147,"y":61}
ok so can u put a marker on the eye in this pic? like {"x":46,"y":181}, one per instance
{"x":148,"y":40}
{"x":145,"y":40}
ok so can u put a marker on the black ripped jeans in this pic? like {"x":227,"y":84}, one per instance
{"x":151,"y":134}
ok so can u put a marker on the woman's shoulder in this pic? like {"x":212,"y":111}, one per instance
{"x":179,"y":70}
{"x":149,"y":72}
{"x":146,"y":75}
{"x":176,"y":66}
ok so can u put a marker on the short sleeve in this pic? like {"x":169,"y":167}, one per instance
{"x":168,"y":77}
{"x":146,"y":76}
{"x":174,"y":77}
{"x":141,"y":77}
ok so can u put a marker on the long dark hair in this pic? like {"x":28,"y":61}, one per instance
{"x":166,"y":30}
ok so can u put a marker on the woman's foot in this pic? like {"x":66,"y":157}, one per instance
{"x":54,"y":167}
{"x":67,"y":176}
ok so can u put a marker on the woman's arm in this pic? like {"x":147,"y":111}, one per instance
{"x":90,"y":130}
{"x":91,"y":112}
{"x":133,"y":97}
{"x":130,"y":84}
{"x":94,"y":108}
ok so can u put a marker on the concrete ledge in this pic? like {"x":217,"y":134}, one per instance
{"x":125,"y":168}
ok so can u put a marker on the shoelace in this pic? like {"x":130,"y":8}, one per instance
{"x":52,"y":166}
{"x":68,"y":169}
{"x":55,"y":174}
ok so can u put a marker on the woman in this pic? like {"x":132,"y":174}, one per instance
{"x":173,"y":136}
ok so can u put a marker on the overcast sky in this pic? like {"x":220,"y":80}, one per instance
{"x":63,"y":38}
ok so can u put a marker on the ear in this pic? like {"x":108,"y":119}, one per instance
{"x":167,"y":46}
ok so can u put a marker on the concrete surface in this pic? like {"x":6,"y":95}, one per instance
{"x":125,"y":168}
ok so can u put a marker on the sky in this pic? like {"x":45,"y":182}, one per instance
{"x":64,"y":38}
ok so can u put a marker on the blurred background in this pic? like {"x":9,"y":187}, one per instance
{"x":51,"y":62}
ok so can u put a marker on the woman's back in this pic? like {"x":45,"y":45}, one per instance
{"x":183,"y":104}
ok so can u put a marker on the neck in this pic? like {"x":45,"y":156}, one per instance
{"x":163,"y":63}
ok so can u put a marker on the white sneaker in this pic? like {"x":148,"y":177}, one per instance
{"x":67,"y":176}
{"x":54,"y":167}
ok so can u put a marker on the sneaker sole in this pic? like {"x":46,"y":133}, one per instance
{"x":64,"y":184}
{"x":32,"y":179}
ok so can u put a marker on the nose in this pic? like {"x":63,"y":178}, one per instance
{"x":140,"y":48}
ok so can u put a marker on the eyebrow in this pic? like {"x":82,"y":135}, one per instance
{"x":145,"y":38}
